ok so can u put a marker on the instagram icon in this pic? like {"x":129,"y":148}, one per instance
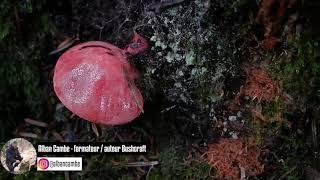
{"x":43,"y":163}
{"x":59,"y":164}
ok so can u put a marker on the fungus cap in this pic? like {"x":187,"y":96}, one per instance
{"x":95,"y":81}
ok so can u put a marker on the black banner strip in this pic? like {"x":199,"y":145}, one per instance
{"x":86,"y":148}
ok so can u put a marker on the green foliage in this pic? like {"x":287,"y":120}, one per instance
{"x":4,"y":27}
{"x":20,"y":66}
{"x":103,"y":167}
{"x":172,"y":167}
{"x":6,"y":24}
{"x":300,"y":67}
{"x":39,"y":176}
{"x":24,"y":26}
{"x":125,"y":178}
{"x":9,"y":15}
{"x":274,"y":109}
{"x":292,"y":151}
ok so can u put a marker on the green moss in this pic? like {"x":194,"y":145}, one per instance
{"x":39,"y":176}
{"x":172,"y":167}
{"x":273,"y":111}
{"x":298,"y":66}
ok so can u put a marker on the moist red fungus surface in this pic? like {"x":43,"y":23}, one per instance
{"x":95,"y":81}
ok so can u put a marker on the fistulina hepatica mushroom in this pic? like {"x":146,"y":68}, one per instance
{"x":95,"y":81}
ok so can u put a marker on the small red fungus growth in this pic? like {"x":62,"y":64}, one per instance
{"x":270,"y":42}
{"x":229,"y":156}
{"x":269,"y":13}
{"x":139,"y":45}
{"x":95,"y":81}
{"x":259,"y":85}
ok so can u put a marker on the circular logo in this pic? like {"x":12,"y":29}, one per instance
{"x":18,"y":156}
{"x":43,"y":163}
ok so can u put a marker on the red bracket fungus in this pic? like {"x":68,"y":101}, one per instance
{"x":95,"y":81}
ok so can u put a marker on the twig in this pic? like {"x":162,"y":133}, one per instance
{"x":65,"y":44}
{"x":242,"y":173}
{"x":132,"y":88}
{"x":57,"y":136}
{"x":141,"y":164}
{"x":95,"y":129}
{"x":147,"y":176}
{"x":16,"y":14}
{"x":36,"y":123}
{"x":168,"y":109}
{"x":66,"y":175}
{"x":315,"y":142}
{"x":30,"y":135}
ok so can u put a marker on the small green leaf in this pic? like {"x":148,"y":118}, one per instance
{"x":4,"y":30}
